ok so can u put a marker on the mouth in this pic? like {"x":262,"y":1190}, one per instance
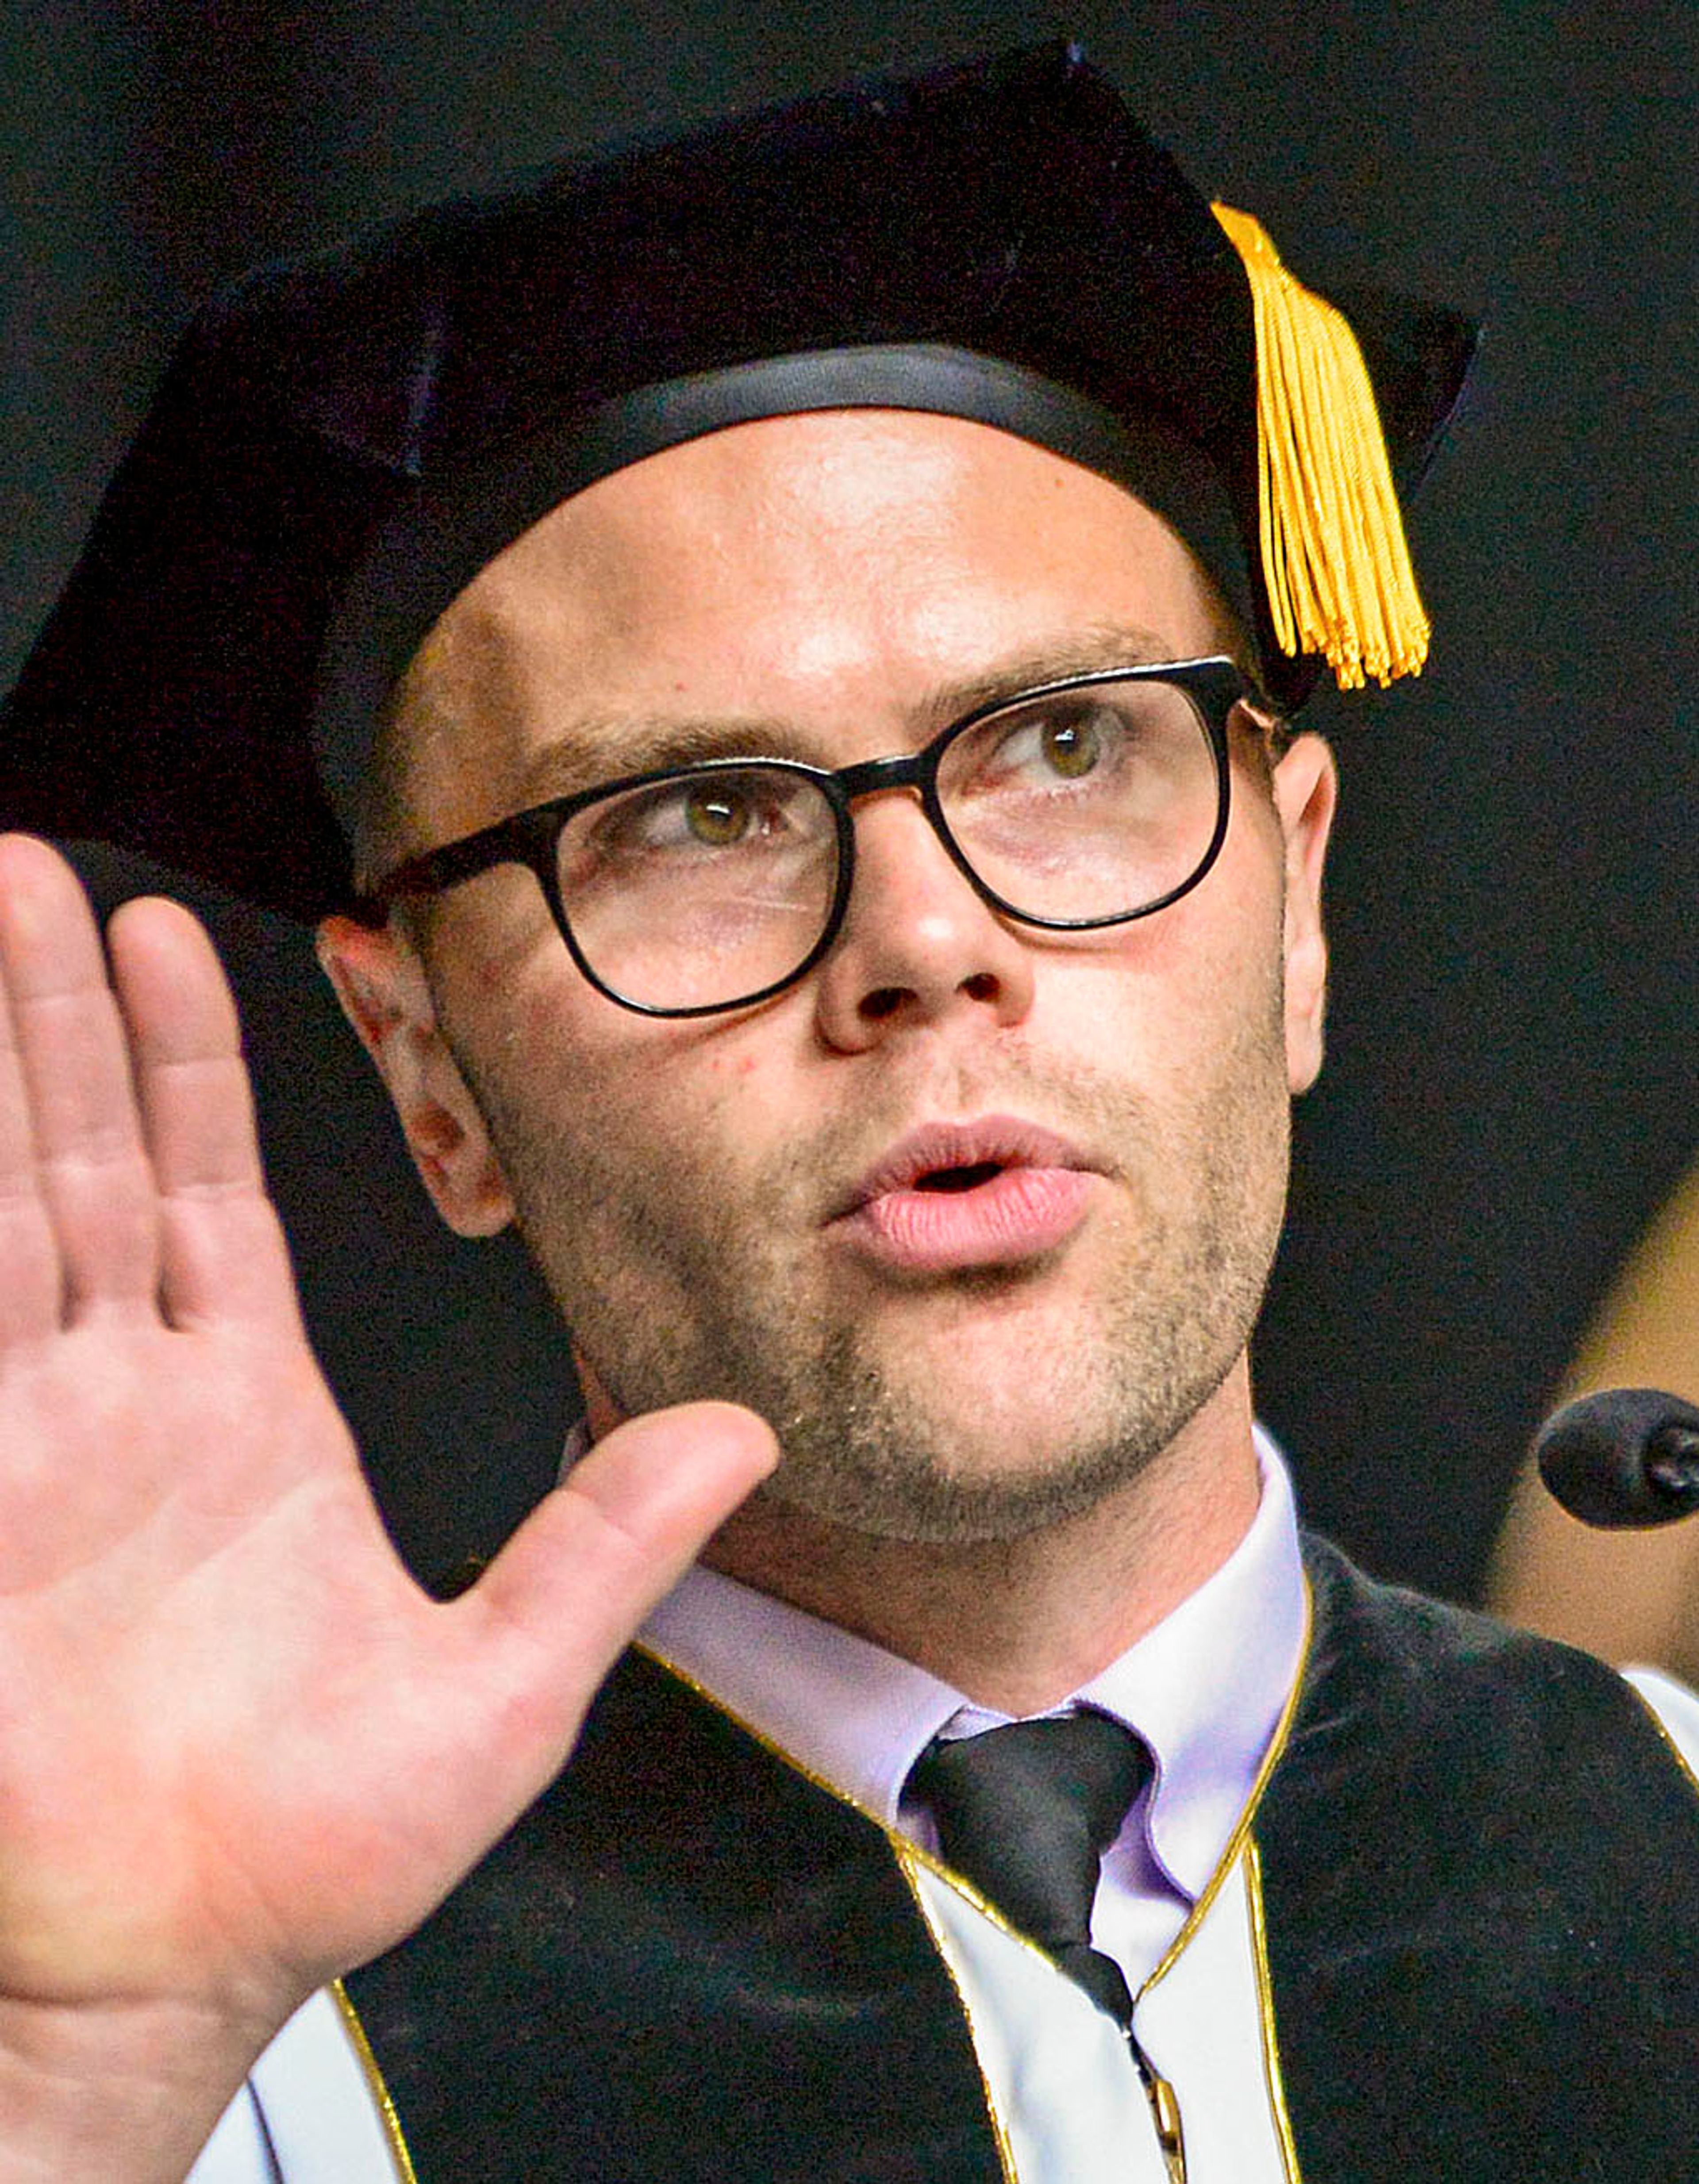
{"x":953,"y":1196}
{"x":959,"y":1179}
{"x":951,"y":1158}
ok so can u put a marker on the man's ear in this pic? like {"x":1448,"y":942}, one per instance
{"x":1306,"y":792}
{"x":385,"y":996}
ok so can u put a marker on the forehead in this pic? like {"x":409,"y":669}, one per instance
{"x":789,"y":570}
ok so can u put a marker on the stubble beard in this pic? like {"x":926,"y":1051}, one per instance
{"x":674,"y":1296}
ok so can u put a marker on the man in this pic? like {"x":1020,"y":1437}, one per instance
{"x":788,"y":678}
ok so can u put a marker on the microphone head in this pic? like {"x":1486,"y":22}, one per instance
{"x":1626,"y":1457}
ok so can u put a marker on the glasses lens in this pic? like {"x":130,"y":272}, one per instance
{"x":1087,"y":803}
{"x":703,"y":890}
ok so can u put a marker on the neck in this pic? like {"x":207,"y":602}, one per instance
{"x":1016,"y":1624}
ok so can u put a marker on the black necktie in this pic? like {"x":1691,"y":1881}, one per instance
{"x":1025,"y":1813}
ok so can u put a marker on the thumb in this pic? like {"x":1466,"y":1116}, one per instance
{"x":566,"y":1594}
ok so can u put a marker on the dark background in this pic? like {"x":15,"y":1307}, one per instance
{"x":1515,"y":905}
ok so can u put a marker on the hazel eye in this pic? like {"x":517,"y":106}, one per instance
{"x":1072,"y":747}
{"x":716,"y":818}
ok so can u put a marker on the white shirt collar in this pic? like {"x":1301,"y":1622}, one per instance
{"x":1205,"y":1688}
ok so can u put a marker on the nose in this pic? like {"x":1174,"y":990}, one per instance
{"x":917,"y":941}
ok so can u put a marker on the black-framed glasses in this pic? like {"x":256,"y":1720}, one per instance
{"x":1089,"y":802}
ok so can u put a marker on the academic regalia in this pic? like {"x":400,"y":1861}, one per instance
{"x":1455,"y":1936}
{"x":341,"y":443}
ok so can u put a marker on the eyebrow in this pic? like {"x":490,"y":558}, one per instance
{"x":596,"y":747}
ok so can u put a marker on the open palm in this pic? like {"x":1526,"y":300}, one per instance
{"x":240,"y":1751}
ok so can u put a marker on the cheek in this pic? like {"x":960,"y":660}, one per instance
{"x":601,"y":1108}
{"x":1175,"y":996}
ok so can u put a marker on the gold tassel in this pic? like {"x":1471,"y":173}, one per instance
{"x":1334,"y":559}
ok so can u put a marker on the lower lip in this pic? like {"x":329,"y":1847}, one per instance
{"x":1019,"y":1214}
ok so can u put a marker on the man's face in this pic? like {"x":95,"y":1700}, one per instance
{"x":837,"y":587}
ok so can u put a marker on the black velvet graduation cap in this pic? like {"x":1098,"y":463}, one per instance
{"x":341,"y":444}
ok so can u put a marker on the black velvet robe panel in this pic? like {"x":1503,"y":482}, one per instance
{"x":687,"y":1961}
{"x":1481,"y":1876}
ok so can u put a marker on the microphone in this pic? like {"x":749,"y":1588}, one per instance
{"x":1626,"y":1457}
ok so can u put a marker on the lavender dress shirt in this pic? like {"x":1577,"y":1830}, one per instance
{"x":1204,"y":1690}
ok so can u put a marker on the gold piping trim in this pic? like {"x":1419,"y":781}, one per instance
{"x":911,"y":1863}
{"x":1241,"y":1832}
{"x":909,"y":1857}
{"x":1265,"y":2010}
{"x":374,"y":2079}
{"x":902,"y":1847}
{"x":1662,"y":1728}
{"x":768,"y":1743}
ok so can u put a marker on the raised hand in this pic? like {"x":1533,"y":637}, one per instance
{"x":239,"y":1750}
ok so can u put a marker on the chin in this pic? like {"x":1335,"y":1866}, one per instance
{"x":979,"y":1455}
{"x":902,"y":1490}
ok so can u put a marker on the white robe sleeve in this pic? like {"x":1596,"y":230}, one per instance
{"x":1676,"y":1708}
{"x":309,"y":2113}
{"x":238,"y":2152}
